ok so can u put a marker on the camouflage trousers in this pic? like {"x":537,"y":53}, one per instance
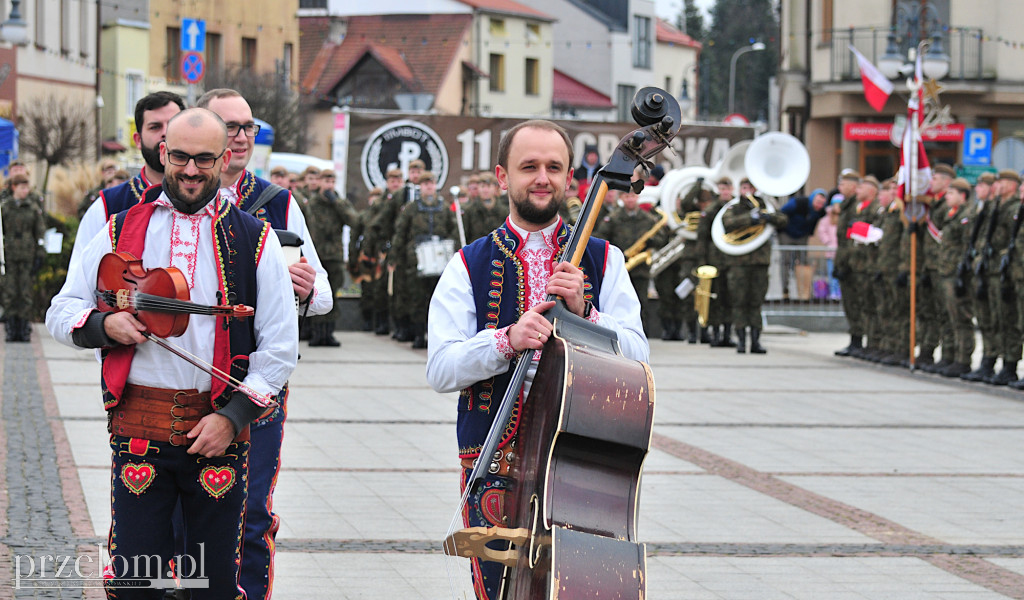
{"x":1004,"y":312}
{"x":748,"y":285}
{"x":983,"y":315}
{"x":960,"y":322}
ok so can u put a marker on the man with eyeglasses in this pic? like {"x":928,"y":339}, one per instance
{"x":178,"y":434}
{"x":311,"y":286}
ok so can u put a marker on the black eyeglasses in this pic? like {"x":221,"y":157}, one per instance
{"x":251,"y":129}
{"x":203,"y":161}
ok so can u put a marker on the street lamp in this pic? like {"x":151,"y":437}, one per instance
{"x":14,"y":30}
{"x":755,"y":47}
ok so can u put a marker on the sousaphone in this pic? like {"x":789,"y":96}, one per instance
{"x":676,"y":184}
{"x":777,"y":164}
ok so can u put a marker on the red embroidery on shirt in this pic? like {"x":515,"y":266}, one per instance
{"x":504,"y":346}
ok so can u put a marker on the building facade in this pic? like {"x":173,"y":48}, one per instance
{"x":821,"y":97}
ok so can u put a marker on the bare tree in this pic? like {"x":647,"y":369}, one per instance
{"x":273,"y":100}
{"x":55,"y":130}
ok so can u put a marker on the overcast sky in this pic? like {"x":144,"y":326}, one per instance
{"x":668,"y":9}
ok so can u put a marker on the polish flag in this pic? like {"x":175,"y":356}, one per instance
{"x":877,"y":88}
{"x":863,"y":233}
{"x":923,"y":174}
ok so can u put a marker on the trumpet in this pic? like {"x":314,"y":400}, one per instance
{"x":636,"y":254}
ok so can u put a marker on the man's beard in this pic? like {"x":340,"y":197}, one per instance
{"x":533,"y":214}
{"x":152,"y":158}
{"x":200,"y":199}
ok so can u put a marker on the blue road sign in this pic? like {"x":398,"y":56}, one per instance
{"x":193,"y":35}
{"x":192,"y":67}
{"x":977,"y":147}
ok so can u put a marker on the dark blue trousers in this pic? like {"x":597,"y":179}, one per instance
{"x":147,"y":480}
{"x":261,"y":524}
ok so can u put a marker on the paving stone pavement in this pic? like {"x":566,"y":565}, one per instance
{"x":794,"y":475}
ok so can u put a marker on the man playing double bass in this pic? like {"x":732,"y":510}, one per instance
{"x":489,"y":304}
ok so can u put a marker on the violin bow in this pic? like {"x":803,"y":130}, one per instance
{"x":257,"y":398}
{"x":658,"y":114}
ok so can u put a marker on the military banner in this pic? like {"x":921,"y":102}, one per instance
{"x":455,"y":147}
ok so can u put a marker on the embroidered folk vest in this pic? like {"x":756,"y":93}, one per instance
{"x":239,"y":241}
{"x":249,"y":187}
{"x":126,"y":195}
{"x":498,"y":279}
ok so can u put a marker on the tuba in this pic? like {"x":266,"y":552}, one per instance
{"x":676,"y":184}
{"x":702,"y":295}
{"x":776,"y":164}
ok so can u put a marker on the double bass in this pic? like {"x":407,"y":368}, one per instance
{"x":585,"y":430}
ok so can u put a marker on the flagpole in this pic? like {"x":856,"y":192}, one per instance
{"x":914,"y":85}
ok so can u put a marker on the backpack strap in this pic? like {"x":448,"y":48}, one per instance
{"x":269,"y":193}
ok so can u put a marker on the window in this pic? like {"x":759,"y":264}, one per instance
{"x":289,"y":50}
{"x":41,"y":24}
{"x":642,"y":42}
{"x":133,"y":83}
{"x":497,"y":73}
{"x":84,"y":47}
{"x":248,"y":53}
{"x":65,"y":27}
{"x":826,"y":22}
{"x":625,"y":101}
{"x":533,"y":32}
{"x":214,"y":54}
{"x":498,"y":27}
{"x":532,"y":77}
{"x":173,"y":66}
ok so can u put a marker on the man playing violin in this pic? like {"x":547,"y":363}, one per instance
{"x":489,"y":306}
{"x":176,"y":432}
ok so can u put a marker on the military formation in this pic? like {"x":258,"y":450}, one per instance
{"x":965,"y":275}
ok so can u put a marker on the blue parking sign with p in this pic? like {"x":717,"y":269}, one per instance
{"x":193,"y":35}
{"x":977,"y":147}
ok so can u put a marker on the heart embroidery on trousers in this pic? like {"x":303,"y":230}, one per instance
{"x":217,"y":480}
{"x":137,"y":477}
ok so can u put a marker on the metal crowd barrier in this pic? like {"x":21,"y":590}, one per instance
{"x":800,"y":283}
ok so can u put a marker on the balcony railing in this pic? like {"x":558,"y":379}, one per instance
{"x":963,"y":45}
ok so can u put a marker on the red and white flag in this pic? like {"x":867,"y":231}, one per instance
{"x":863,"y":233}
{"x":923,"y":172}
{"x":877,"y":87}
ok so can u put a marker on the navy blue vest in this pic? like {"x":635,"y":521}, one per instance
{"x":498,"y":279}
{"x":239,"y":240}
{"x":275,"y":212}
{"x":126,"y":195}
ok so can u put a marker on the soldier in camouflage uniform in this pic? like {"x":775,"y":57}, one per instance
{"x":672,"y":310}
{"x":956,"y":232}
{"x":933,"y":328}
{"x":985,"y":205}
{"x":853,"y":303}
{"x":487,"y":212}
{"x":421,"y":221}
{"x":892,"y":306}
{"x":748,"y":273}
{"x":23,"y":226}
{"x":382,"y":229}
{"x":624,"y":227}
{"x":860,"y":263}
{"x":328,"y":214}
{"x":1001,"y":298}
{"x":719,"y":313}
{"x":362,"y":260}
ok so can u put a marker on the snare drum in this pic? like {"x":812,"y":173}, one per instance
{"x":432,"y":256}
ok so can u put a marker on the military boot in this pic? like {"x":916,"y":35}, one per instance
{"x":939,"y":367}
{"x":1017,"y":385}
{"x":380,"y":318}
{"x":11,"y":325}
{"x":705,"y":335}
{"x":1006,"y":376}
{"x":741,"y":338}
{"x":955,"y":369}
{"x":315,"y":336}
{"x":755,"y":341}
{"x":677,"y":330}
{"x":726,"y":339}
{"x":419,"y":340}
{"x":666,"y":330}
{"x":327,"y":336}
{"x":855,"y":341}
{"x":695,"y":332}
{"x":984,"y":370}
{"x":26,"y":331}
{"x":716,"y":336}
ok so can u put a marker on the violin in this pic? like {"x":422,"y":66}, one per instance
{"x":584,"y":432}
{"x":160,"y":300}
